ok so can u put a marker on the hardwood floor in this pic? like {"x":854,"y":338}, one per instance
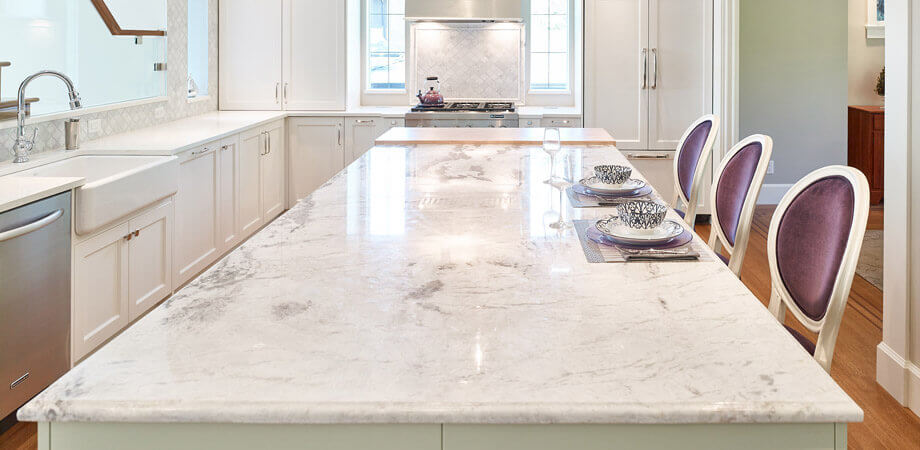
{"x":887,"y":424}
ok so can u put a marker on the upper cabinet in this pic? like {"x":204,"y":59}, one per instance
{"x":282,"y":54}
{"x":648,"y":69}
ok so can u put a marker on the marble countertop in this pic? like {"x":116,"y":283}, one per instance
{"x":423,"y":285}
{"x":485,"y":136}
{"x":18,"y":191}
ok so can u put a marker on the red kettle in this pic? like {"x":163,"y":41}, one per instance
{"x":432,"y":95}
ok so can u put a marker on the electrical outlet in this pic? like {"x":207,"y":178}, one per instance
{"x":770,"y":168}
{"x":94,"y":126}
{"x":159,"y":113}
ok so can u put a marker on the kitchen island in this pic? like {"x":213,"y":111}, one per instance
{"x":419,"y":300}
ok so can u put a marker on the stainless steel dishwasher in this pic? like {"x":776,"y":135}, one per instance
{"x":34,"y":298}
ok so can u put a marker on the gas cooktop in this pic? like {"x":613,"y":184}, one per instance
{"x":466,"y":106}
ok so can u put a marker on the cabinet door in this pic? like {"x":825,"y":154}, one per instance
{"x":360,"y":134}
{"x":680,"y":68}
{"x":314,"y":55}
{"x":196,"y":240}
{"x":150,"y":259}
{"x":228,"y":192}
{"x":252,"y":145}
{"x":273,"y":172}
{"x":100,"y":308}
{"x":616,"y":48}
{"x":316,"y":154}
{"x":250,"y":54}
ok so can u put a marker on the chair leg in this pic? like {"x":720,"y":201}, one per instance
{"x":777,"y":307}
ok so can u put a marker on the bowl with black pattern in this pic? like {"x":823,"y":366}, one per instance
{"x":612,"y":174}
{"x":642,"y":215}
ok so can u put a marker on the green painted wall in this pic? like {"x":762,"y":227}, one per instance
{"x":793,"y":82}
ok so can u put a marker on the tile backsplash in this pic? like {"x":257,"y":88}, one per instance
{"x":472,"y":61}
{"x":50,"y":134}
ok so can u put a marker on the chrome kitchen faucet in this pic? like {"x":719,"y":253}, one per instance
{"x":22,"y":148}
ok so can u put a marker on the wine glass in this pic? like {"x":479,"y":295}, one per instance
{"x":552,"y":144}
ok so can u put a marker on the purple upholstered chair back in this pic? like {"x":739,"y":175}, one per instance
{"x":814,"y":243}
{"x":690,"y":160}
{"x":689,"y":156}
{"x":812,"y":236}
{"x":736,"y":187}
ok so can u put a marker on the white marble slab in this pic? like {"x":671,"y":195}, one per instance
{"x":422,"y":285}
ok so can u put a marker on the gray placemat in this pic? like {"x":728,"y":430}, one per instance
{"x":584,"y":201}
{"x":596,"y":253}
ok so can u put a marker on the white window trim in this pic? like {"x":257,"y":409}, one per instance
{"x":380,"y":97}
{"x":541,"y":97}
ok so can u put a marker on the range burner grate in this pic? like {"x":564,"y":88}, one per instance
{"x":465,"y":105}
{"x":499,"y":105}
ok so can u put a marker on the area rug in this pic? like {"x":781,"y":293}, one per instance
{"x":870,"y":259}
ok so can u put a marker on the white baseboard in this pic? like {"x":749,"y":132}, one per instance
{"x":771,"y":194}
{"x":901,"y":378}
{"x":891,"y":372}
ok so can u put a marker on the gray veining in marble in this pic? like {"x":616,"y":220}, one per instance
{"x":423,"y":285}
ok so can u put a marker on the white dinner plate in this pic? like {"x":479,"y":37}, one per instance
{"x":595,"y":185}
{"x":617,"y":230}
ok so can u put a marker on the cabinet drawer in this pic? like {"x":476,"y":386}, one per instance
{"x":560,"y":122}
{"x":658,"y":169}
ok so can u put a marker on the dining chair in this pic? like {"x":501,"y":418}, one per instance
{"x":813,"y":246}
{"x":736,"y":187}
{"x":690,"y":162}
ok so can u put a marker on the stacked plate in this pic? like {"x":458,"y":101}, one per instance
{"x":614,"y":231}
{"x":594,"y":187}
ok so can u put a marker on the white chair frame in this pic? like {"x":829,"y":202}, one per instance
{"x":717,"y":238}
{"x":701,"y":164}
{"x":829,"y":326}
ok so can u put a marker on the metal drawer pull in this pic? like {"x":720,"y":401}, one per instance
{"x":285,"y":92}
{"x":200,"y":152}
{"x":26,"y":229}
{"x":364,"y":122}
{"x":654,"y":68}
{"x":269,"y":146}
{"x":638,"y":156}
{"x":277,"y":86}
{"x":19,"y":381}
{"x":644,"y":68}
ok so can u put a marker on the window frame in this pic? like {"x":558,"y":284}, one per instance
{"x":382,"y":93}
{"x":565,"y":95}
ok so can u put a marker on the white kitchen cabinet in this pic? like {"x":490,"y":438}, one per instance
{"x":648,"y":69}
{"x":680,"y":42}
{"x":150,"y":259}
{"x":317,"y":152}
{"x":314,"y":55}
{"x":272,"y":167}
{"x":196,"y":239}
{"x":250,"y":182}
{"x":228,"y":192}
{"x":362,"y":132}
{"x":119,"y":274}
{"x":100,"y":305}
{"x":560,"y":122}
{"x":250,"y":41}
{"x":282,"y":54}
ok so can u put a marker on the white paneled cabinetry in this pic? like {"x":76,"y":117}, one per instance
{"x":118,"y":274}
{"x":228,"y":189}
{"x":648,"y":76}
{"x":282,"y":54}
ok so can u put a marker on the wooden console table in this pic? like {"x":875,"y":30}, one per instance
{"x":866,"y":148}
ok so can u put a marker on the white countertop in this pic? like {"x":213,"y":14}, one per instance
{"x":18,"y":191}
{"x":422,"y":285}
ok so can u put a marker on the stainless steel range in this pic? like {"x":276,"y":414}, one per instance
{"x":464,"y":115}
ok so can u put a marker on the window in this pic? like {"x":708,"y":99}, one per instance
{"x":197,"y":48}
{"x":549,"y":45}
{"x":386,"y":45}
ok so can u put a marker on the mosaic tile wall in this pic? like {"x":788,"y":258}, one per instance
{"x":475,"y":62}
{"x":51,"y":134}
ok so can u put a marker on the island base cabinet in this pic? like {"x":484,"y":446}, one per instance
{"x":87,"y":436}
{"x":119,"y":274}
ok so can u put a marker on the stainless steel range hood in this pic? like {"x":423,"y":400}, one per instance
{"x":464,"y":10}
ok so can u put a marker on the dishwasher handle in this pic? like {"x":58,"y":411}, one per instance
{"x":26,"y":229}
